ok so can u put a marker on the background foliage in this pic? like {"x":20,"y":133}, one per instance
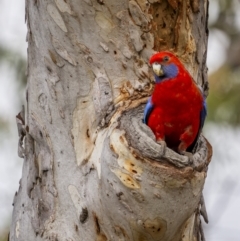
{"x":224,"y":98}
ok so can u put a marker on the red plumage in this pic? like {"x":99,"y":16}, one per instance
{"x":177,"y":103}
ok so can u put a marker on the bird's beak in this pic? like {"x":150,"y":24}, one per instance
{"x":157,"y":69}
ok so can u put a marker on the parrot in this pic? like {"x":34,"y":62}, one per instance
{"x":176,"y":110}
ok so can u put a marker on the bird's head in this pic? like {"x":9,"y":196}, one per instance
{"x":165,"y":65}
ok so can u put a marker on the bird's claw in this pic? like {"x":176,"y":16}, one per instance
{"x":163,"y":145}
{"x":189,"y":155}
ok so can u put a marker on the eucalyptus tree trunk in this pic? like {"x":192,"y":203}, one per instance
{"x":92,"y":170}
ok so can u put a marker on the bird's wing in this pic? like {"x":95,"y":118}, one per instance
{"x":147,"y":111}
{"x":203,"y":115}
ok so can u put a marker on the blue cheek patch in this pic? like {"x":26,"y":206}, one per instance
{"x":170,"y":71}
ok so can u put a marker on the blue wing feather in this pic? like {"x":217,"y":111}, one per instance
{"x":147,"y":111}
{"x":203,"y":114}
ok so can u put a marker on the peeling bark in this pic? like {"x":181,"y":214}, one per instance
{"x":92,"y":170}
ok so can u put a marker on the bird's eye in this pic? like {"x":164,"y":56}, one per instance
{"x":165,"y":58}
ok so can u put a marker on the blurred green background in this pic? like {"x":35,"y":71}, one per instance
{"x":222,"y":188}
{"x":224,"y":98}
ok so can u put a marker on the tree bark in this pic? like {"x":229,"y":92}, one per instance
{"x":92,"y":170}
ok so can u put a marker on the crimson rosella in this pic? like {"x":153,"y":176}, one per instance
{"x":177,"y":109}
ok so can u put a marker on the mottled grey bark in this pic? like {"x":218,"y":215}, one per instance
{"x":92,"y":170}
